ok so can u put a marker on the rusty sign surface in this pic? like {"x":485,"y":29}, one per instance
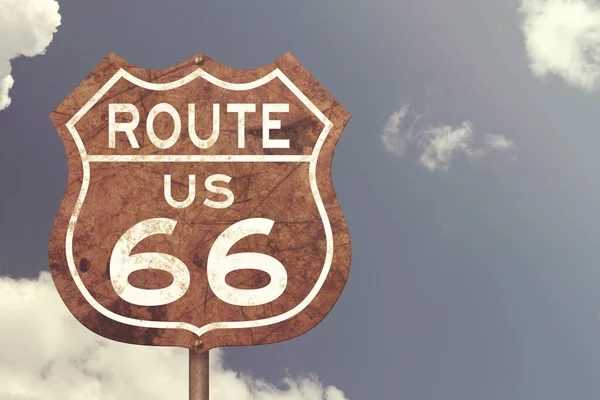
{"x":200,"y":209}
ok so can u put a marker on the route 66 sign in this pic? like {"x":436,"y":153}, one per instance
{"x":200,"y":209}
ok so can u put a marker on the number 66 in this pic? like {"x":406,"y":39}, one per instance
{"x":218,"y":265}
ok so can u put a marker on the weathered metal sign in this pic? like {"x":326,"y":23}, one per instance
{"x":200,"y":209}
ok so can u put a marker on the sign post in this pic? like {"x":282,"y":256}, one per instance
{"x":199,"y":375}
{"x":200,"y":210}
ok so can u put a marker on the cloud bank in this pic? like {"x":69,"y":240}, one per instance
{"x":439,"y":145}
{"x":26,"y":28}
{"x":45,"y":354}
{"x":562,"y":38}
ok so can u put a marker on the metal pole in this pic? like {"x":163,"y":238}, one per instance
{"x":198,"y":375}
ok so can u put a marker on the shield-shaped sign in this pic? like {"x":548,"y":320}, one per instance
{"x":200,"y":209}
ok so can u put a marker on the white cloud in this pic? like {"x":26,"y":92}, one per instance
{"x":499,"y":142}
{"x":440,"y":144}
{"x":26,"y":28}
{"x":562,"y":38}
{"x":45,"y":354}
{"x":394,"y":138}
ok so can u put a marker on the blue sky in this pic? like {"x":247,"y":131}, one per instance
{"x":466,"y":176}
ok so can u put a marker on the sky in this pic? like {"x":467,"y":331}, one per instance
{"x":466,"y":177}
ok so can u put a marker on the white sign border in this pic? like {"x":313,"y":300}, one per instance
{"x":312,"y":159}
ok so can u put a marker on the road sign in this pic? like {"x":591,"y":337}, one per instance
{"x":200,"y":210}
